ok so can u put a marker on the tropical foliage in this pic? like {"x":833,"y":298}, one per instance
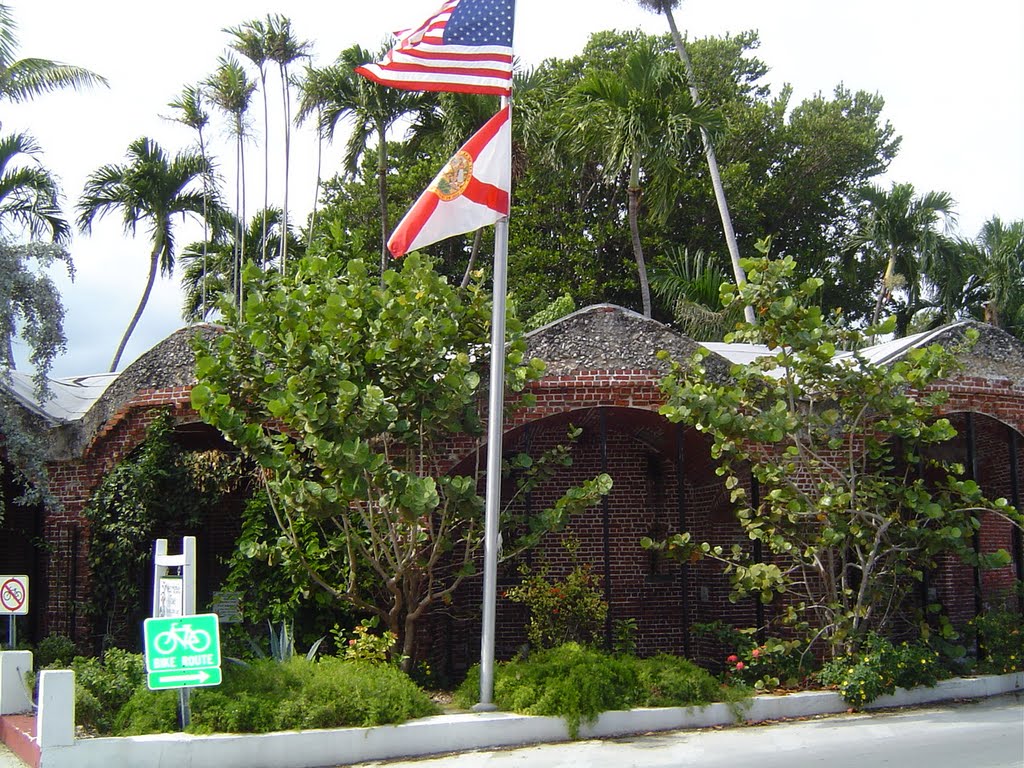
{"x":345,"y":386}
{"x":150,"y":189}
{"x":853,"y":505}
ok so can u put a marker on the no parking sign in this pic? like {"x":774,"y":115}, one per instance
{"x":13,"y":595}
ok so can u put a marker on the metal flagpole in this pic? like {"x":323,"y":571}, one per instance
{"x":495,"y":420}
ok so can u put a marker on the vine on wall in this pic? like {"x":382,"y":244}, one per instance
{"x":160,"y":489}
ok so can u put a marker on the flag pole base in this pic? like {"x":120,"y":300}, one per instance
{"x":481,"y":707}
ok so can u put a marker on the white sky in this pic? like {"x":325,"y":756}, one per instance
{"x":951,"y":73}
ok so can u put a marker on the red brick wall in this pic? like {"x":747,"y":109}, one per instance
{"x":66,"y":568}
{"x":642,"y":456}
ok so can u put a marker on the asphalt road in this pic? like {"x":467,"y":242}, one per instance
{"x":988,"y":733}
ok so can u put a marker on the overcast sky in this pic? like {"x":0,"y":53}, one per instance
{"x":950,"y":73}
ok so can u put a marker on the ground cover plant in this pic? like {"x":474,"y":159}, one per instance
{"x":271,"y":696}
{"x":879,"y":667}
{"x":578,"y":683}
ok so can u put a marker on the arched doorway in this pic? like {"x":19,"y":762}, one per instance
{"x":21,"y":548}
{"x":992,"y":454}
{"x":664,"y":482}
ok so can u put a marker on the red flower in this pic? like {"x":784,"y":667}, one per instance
{"x":756,"y":652}
{"x":739,"y":665}
{"x":732,"y":659}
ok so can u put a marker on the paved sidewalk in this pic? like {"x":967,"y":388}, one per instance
{"x":8,"y":759}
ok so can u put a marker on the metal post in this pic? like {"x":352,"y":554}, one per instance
{"x":684,"y":568}
{"x":606,"y":533}
{"x":12,"y":632}
{"x":972,"y":470}
{"x":1018,"y":540}
{"x":495,"y":419}
{"x":186,"y":562}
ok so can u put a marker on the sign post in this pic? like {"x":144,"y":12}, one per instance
{"x":182,"y":651}
{"x":174,"y":595}
{"x":13,"y":603}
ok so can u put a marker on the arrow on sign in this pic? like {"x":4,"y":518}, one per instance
{"x":198,"y":677}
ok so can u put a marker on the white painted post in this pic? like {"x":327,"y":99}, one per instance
{"x":186,"y":561}
{"x":55,"y":724}
{"x":14,"y":696}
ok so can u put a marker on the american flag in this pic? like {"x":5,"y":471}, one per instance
{"x":465,"y":47}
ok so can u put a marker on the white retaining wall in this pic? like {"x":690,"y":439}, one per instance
{"x":434,"y":735}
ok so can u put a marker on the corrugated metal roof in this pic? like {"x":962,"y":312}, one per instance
{"x":71,"y":397}
{"x":878,"y":354}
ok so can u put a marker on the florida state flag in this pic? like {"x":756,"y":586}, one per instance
{"x":470,"y":192}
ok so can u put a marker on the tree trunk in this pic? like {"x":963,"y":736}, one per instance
{"x":634,"y":231}
{"x":266,"y":160}
{"x":286,"y":101}
{"x":477,"y":238}
{"x":206,"y":219}
{"x":154,"y":263}
{"x":319,"y":169}
{"x":716,"y":177}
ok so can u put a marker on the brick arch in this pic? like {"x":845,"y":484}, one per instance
{"x":999,"y":399}
{"x":643,"y":452}
{"x":73,"y":483}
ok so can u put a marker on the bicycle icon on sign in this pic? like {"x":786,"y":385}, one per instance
{"x":182,"y":636}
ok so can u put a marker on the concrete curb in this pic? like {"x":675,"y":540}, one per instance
{"x":458,"y":733}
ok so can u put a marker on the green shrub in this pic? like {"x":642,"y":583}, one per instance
{"x":878,"y":668}
{"x":353,"y":693}
{"x":562,"y":611}
{"x":365,"y":644}
{"x":672,"y":681}
{"x":54,"y":652}
{"x":300,"y":694}
{"x":571,"y":681}
{"x":1000,"y":634}
{"x":148,"y":712}
{"x":104,"y":686}
{"x":771,"y":664}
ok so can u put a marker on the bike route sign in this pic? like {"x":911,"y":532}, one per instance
{"x":182,"y":651}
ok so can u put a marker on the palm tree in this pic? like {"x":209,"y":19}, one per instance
{"x":1002,"y":249}
{"x":24,"y":79}
{"x":637,"y":121}
{"x":149,"y":189}
{"x":899,"y":228}
{"x":208,"y":274}
{"x":231,"y":90}
{"x":690,"y":284}
{"x":988,"y":281}
{"x":337,"y":93}
{"x":666,"y":7}
{"x":285,"y":49}
{"x":314,"y":91}
{"x":251,"y":40}
{"x":29,"y":194}
{"x":190,"y":112}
